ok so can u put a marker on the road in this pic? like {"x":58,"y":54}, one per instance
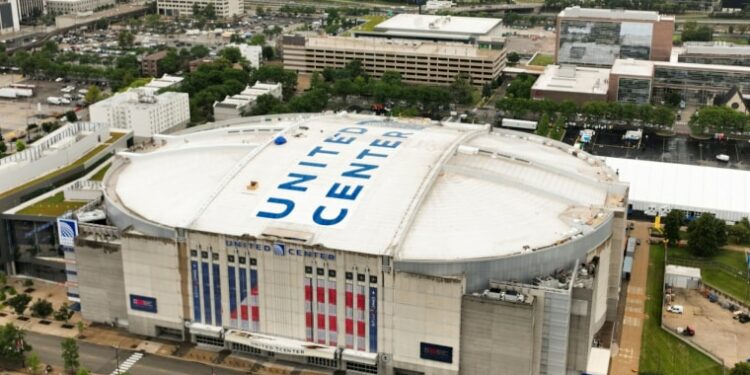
{"x":101,"y":359}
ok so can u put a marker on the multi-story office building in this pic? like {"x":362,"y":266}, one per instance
{"x":147,"y":114}
{"x":150,"y":63}
{"x":598,"y":37}
{"x":9,"y":19}
{"x":417,"y":61}
{"x":74,"y":6}
{"x":30,"y":8}
{"x":184,"y":8}
{"x":719,"y":53}
{"x":630,"y":81}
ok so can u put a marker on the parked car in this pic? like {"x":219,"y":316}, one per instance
{"x":675,"y":309}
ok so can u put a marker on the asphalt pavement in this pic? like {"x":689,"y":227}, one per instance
{"x":102,"y":359}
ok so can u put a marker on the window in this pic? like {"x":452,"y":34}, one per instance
{"x":204,"y":254}
{"x":349,"y":276}
{"x":243,"y":260}
{"x":324,"y":362}
{"x":308,"y":269}
{"x":215,"y":256}
{"x":331,"y":273}
{"x":206,"y":340}
{"x":193,"y":253}
{"x":230,"y":258}
{"x":361,"y":277}
{"x":362,"y":367}
{"x":253,"y":262}
{"x":321,"y":272}
{"x":244,"y":348}
{"x":373,"y":279}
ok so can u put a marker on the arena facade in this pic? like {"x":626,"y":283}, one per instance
{"x":361,"y":243}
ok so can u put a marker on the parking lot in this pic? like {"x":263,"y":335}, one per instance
{"x":17,"y":113}
{"x":715,"y":330}
{"x":676,"y":149}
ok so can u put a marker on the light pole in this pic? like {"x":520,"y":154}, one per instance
{"x":117,"y":359}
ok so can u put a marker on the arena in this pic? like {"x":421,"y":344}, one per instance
{"x":361,"y":243}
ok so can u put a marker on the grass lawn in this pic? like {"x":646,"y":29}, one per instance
{"x":662,"y":353}
{"x":100,"y":175}
{"x":372,"y":21}
{"x":542,"y":60}
{"x":53,"y":206}
{"x":719,"y":278}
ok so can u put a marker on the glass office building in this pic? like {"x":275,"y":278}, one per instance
{"x":699,"y":83}
{"x":635,"y":91}
{"x":601,"y":43}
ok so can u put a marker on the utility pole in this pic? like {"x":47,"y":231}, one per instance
{"x":117,"y":359}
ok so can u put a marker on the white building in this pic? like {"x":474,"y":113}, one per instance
{"x":165,"y":81}
{"x":73,"y":6}
{"x":184,"y":8}
{"x":29,"y":8}
{"x":233,"y":106}
{"x":364,"y":244}
{"x":470,"y":30}
{"x":253,"y":54}
{"x":682,"y":277}
{"x":9,"y":17}
{"x":147,"y":114}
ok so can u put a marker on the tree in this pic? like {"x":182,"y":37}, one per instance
{"x":12,"y":344}
{"x":672,"y":223}
{"x":199,"y":51}
{"x":487,"y":90}
{"x":520,"y":87}
{"x":513,"y":58}
{"x":275,"y":73}
{"x":706,"y":235}
{"x":741,"y":368}
{"x":70,"y":355}
{"x":83,"y":371}
{"x":266,"y":104}
{"x":542,"y":127}
{"x":42,"y":308}
{"x":71,"y":116}
{"x":93,"y":95}
{"x":20,"y":145}
{"x":260,"y":11}
{"x":558,"y":130}
{"x":258,"y":40}
{"x":739,"y":233}
{"x":268,"y":53}
{"x":125,"y":39}
{"x":462,"y":89}
{"x":691,"y":32}
{"x":19,"y":302}
{"x":232,"y":54}
{"x":33,"y":363}
{"x":63,"y":314}
{"x":3,"y":148}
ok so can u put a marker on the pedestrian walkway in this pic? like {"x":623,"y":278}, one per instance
{"x":125,"y":366}
{"x":627,"y":359}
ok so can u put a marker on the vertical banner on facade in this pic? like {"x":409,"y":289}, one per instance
{"x":373,"y":319}
{"x":361,"y":318}
{"x":332,"y":323}
{"x":195,"y":282}
{"x":349,"y":318}
{"x":254,"y":301}
{"x":234,"y":312}
{"x":206,"y":292}
{"x":244,"y":301}
{"x":308,"y":310}
{"x":217,"y":294}
{"x":321,"y":310}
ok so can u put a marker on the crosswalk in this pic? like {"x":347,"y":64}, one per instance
{"x":127,"y":364}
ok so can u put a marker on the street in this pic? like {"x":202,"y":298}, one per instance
{"x":101,"y":359}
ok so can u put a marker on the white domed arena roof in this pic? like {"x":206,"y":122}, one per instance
{"x":410,"y":189}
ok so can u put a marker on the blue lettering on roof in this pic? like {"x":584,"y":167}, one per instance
{"x":281,"y":203}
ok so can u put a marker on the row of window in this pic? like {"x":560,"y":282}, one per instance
{"x":348,"y":275}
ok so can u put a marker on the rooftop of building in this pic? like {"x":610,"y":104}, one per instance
{"x":250,"y":94}
{"x":572,"y":79}
{"x":683,"y":271}
{"x":165,"y":81}
{"x":633,"y":68}
{"x":613,"y":14}
{"x":156,"y":55}
{"x":138,"y":97}
{"x":424,"y":23}
{"x":371,"y":185}
{"x":715,"y":48}
{"x":400,"y":46}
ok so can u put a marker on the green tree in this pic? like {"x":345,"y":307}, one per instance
{"x":12,"y":344}
{"x":171,"y":63}
{"x":33,"y":363}
{"x":462,"y":89}
{"x":93,"y":95}
{"x":487,"y":90}
{"x":125,"y":39}
{"x":232,"y":54}
{"x":741,"y":368}
{"x":706,"y":235}
{"x":268,"y":53}
{"x":42,"y":309}
{"x":20,"y":145}
{"x":71,"y":116}
{"x":260,"y":11}
{"x":70,"y":355}
{"x":692,"y":32}
{"x":672,"y":223}
{"x":64,"y":313}
{"x":542,"y":127}
{"x":739,"y":233}
{"x":19,"y":303}
{"x":267,"y":104}
{"x":558,"y":130}
{"x":520,"y":87}
{"x":276,"y":73}
{"x":199,"y":51}
{"x":258,"y":40}
{"x":83,"y":371}
{"x":3,"y":148}
{"x":513,"y":58}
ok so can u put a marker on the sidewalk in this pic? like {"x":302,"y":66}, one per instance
{"x":627,"y":359}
